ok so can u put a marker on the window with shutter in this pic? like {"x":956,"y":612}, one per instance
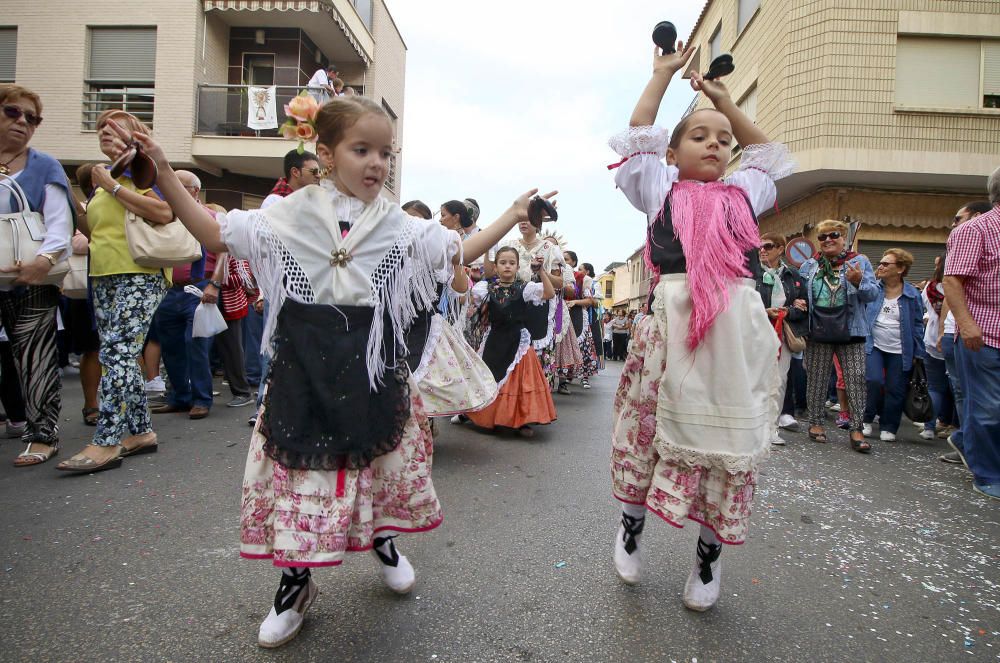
{"x":937,"y":72}
{"x":745,"y":11}
{"x":121,"y":73}
{"x":991,"y":74}
{"x":715,"y":44}
{"x":8,"y":55}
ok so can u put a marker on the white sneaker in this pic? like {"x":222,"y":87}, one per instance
{"x":835,"y":407}
{"x":457,"y":419}
{"x":829,"y":404}
{"x":628,"y":565}
{"x":699,"y":596}
{"x":156,"y":386}
{"x":926,"y":434}
{"x":277,"y":629}
{"x":397,"y":572}
{"x":886,"y":436}
{"x":918,"y":424}
{"x":777,"y":440}
{"x":866,"y":429}
{"x":788,"y":422}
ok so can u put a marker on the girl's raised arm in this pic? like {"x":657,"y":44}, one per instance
{"x":664,"y":68}
{"x":744,"y":130}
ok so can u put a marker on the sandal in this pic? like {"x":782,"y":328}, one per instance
{"x":861,"y":446}
{"x":817,"y":437}
{"x":139,"y":444}
{"x":80,"y":464}
{"x":90,"y":416}
{"x":28,"y":457}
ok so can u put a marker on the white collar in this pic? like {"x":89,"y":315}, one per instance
{"x":348,"y":207}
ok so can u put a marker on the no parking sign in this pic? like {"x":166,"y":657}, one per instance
{"x":798,"y":251}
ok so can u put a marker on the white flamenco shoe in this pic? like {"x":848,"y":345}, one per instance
{"x":280,"y":628}
{"x":397,"y":572}
{"x":701,"y":591}
{"x":628,"y":560}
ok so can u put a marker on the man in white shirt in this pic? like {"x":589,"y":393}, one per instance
{"x":320,"y":86}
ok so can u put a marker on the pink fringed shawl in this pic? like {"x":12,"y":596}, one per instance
{"x":716,"y":228}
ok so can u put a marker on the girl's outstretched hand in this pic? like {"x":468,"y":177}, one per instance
{"x":520,"y":205}
{"x":715,"y":90}
{"x":153,"y":149}
{"x":671,"y":63}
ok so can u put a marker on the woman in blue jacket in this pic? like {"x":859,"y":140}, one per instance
{"x":895,"y":338}
{"x":838,"y":284}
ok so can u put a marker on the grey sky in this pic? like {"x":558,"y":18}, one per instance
{"x":501,"y":97}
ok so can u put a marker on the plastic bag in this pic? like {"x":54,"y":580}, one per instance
{"x":208,"y":320}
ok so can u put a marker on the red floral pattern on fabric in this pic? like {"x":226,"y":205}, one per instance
{"x":641,"y":474}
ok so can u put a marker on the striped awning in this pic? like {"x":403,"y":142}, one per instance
{"x":313,"y":6}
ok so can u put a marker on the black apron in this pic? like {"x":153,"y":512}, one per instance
{"x":320,"y":411}
{"x":507,"y":311}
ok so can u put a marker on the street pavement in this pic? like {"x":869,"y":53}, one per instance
{"x":888,"y":557}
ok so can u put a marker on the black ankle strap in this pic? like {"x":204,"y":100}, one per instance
{"x":633,"y":528}
{"x":392,"y":559}
{"x":707,"y":554}
{"x":290,"y":588}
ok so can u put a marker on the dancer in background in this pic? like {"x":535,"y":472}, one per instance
{"x":692,"y":416}
{"x":524,"y":397}
{"x":580,"y":300}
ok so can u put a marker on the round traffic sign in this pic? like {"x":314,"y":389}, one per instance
{"x":798,"y":251}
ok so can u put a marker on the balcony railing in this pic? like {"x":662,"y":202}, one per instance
{"x":223,"y":109}
{"x":137,"y":100}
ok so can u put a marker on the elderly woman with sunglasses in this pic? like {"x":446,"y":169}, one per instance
{"x":784,"y":295}
{"x":839,"y":283}
{"x":125,"y":297}
{"x":895,"y":339}
{"x":28,"y":309}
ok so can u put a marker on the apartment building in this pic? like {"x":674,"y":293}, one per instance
{"x":891,"y":108}
{"x":185,"y":66}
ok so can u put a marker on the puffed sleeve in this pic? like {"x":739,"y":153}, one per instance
{"x":236,"y":228}
{"x":643,"y":177}
{"x":479,"y":292}
{"x":760,"y":166}
{"x":533,"y":293}
{"x":440,"y":246}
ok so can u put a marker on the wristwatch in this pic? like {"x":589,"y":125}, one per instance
{"x":217,"y":284}
{"x":51,"y":257}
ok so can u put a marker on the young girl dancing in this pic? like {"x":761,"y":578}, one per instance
{"x":341,"y":454}
{"x":580,"y":300}
{"x":691,"y":412}
{"x":524,"y":397}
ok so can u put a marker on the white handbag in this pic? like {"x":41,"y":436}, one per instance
{"x":21,"y":237}
{"x":75,"y":285}
{"x":160,"y":245}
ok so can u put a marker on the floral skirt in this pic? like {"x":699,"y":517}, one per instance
{"x":643,"y":468}
{"x":566,"y":357}
{"x":524,"y":398}
{"x":590,"y":364}
{"x":452,"y":376}
{"x":311,"y":518}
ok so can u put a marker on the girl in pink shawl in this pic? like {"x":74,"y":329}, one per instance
{"x":692,"y":408}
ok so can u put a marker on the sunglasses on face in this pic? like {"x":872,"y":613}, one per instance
{"x":314,"y":171}
{"x":15,"y":113}
{"x":825,"y":236}
{"x":767,"y":246}
{"x":886,"y":264}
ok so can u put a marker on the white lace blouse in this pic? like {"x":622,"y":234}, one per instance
{"x":532,"y":293}
{"x":646,"y":179}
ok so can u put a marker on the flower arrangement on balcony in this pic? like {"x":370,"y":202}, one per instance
{"x":301,"y":122}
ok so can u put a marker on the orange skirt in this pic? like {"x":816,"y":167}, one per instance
{"x":524,"y":398}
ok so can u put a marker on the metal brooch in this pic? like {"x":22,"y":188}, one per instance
{"x":340,"y":258}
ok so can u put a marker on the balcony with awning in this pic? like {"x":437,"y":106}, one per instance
{"x":340,"y":28}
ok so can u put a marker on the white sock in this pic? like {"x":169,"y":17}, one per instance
{"x":634,"y":510}
{"x":709,"y":537}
